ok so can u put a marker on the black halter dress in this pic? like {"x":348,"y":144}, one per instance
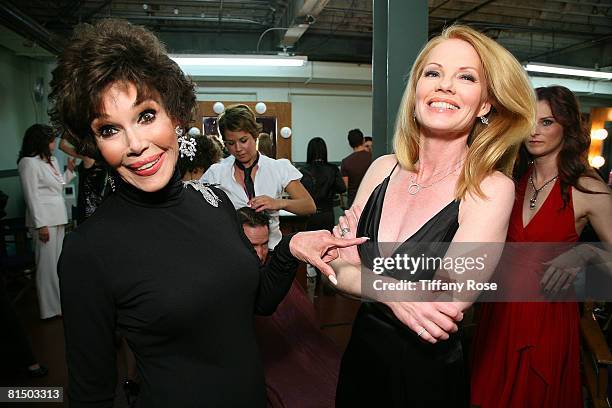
{"x":386,"y":364}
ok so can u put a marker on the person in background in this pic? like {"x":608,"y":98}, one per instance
{"x":207,"y":153}
{"x":355,"y":165}
{"x":93,"y":182}
{"x":465,"y":111}
{"x":162,"y":262}
{"x":367,"y":143}
{"x":527,"y":354}
{"x":294,"y":350}
{"x":265,"y":145}
{"x":42,"y":183}
{"x":255,"y":180}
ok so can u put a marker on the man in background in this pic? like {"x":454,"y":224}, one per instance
{"x":367,"y":143}
{"x":355,"y":165}
{"x":256,"y":229}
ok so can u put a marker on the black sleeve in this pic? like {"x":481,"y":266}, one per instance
{"x":89,"y":326}
{"x":275,"y":278}
{"x":339,"y":185}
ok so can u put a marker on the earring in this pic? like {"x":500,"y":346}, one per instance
{"x":187,"y":146}
{"x":484,"y":120}
{"x":414,"y":115}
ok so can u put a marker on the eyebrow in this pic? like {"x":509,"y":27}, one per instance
{"x":103,"y":115}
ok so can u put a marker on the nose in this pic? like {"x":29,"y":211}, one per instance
{"x":446,"y":84}
{"x":135,"y":142}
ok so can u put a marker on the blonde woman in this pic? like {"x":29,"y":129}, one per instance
{"x":465,"y":110}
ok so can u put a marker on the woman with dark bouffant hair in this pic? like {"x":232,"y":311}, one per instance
{"x":527,"y":354}
{"x":162,"y":263}
{"x":42,"y":183}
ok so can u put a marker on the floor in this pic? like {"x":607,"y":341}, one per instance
{"x":335,"y":311}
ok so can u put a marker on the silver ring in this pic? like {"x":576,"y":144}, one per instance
{"x":344,"y":231}
{"x":421,"y":332}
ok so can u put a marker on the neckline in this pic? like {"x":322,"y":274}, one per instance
{"x":384,"y":185}
{"x":171,"y":194}
{"x":544,"y":203}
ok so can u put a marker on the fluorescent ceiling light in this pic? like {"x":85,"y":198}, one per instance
{"x":238,"y":60}
{"x":560,"y":70}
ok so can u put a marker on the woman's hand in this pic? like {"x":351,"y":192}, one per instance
{"x":561,"y":271}
{"x":320,"y":247}
{"x":264,"y":202}
{"x":431,"y":321}
{"x":347,"y":228}
{"x":43,"y":234}
{"x":71,"y":164}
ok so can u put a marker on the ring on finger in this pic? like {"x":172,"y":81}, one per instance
{"x":344,"y":231}
{"x":421,"y":331}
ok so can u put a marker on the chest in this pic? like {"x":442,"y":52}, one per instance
{"x":265,"y":182}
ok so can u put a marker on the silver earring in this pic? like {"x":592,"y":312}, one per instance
{"x":484,"y":120}
{"x":187,"y":145}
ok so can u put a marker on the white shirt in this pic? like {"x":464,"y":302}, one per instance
{"x":271,"y":178}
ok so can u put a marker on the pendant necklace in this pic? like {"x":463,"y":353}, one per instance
{"x":414,"y":187}
{"x":536,"y":191}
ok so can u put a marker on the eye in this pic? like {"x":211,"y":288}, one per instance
{"x":243,"y":140}
{"x":431,"y":73}
{"x":547,"y":122}
{"x":106,"y":131}
{"x":468,"y":77}
{"x":229,"y":142}
{"x":147,"y":116}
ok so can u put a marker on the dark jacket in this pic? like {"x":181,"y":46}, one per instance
{"x":323,"y":182}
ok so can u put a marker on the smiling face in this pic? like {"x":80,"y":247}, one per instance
{"x":241,"y":145}
{"x":137,"y":140}
{"x":451,"y":92}
{"x":547,"y":137}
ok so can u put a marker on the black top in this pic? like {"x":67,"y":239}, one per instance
{"x":404,"y":369}
{"x":323,"y":182}
{"x":92,"y":189}
{"x":179,"y":279}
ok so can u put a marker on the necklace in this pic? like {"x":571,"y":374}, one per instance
{"x":536,"y":191}
{"x":415,"y":187}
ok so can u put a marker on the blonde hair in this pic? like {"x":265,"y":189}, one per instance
{"x":512,"y":117}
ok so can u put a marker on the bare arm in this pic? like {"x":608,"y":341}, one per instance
{"x":300,"y":201}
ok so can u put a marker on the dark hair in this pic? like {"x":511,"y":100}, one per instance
{"x":572,"y":161}
{"x":252,"y":218}
{"x":355,"y":138}
{"x":316,"y":151}
{"x":265,"y":145}
{"x":238,"y":118}
{"x":108,"y":52}
{"x":367,"y":138}
{"x":36,"y":142}
{"x":207,"y":154}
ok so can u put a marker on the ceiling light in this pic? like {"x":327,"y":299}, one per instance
{"x":239,"y":60}
{"x":560,"y":70}
{"x":175,"y":11}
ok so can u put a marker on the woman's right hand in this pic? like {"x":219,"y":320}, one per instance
{"x":43,"y":234}
{"x":431,"y":321}
{"x":348,"y":223}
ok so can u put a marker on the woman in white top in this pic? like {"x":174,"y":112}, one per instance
{"x":255,"y":180}
{"x":43,"y":184}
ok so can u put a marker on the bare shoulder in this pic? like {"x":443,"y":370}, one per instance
{"x":593,"y":184}
{"x":498,"y":199}
{"x":378,"y":170}
{"x":589,"y":203}
{"x":496,"y":186}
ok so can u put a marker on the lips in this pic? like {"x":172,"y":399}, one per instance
{"x":148,"y":166}
{"x":440,"y":104}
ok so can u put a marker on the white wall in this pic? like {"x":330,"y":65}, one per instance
{"x":327,"y":111}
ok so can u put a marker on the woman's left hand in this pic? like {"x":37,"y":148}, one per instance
{"x":561,"y":271}
{"x":319,"y":248}
{"x":264,"y":202}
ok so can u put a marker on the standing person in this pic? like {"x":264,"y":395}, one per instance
{"x":255,"y":180}
{"x":367,"y":143}
{"x":323,"y":182}
{"x":152,"y":262}
{"x":42,"y":183}
{"x":466,"y":108}
{"x":355,"y":165}
{"x":528,"y":354}
{"x":265,"y":145}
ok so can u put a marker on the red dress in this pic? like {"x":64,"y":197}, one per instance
{"x":527,"y":354}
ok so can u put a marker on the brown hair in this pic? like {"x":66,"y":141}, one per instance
{"x":572,"y":161}
{"x":108,"y":52}
{"x":265,"y":145}
{"x":238,"y":118}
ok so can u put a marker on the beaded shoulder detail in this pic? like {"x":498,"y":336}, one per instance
{"x":205,"y":190}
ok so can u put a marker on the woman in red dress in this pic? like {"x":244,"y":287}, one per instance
{"x":527,"y":354}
